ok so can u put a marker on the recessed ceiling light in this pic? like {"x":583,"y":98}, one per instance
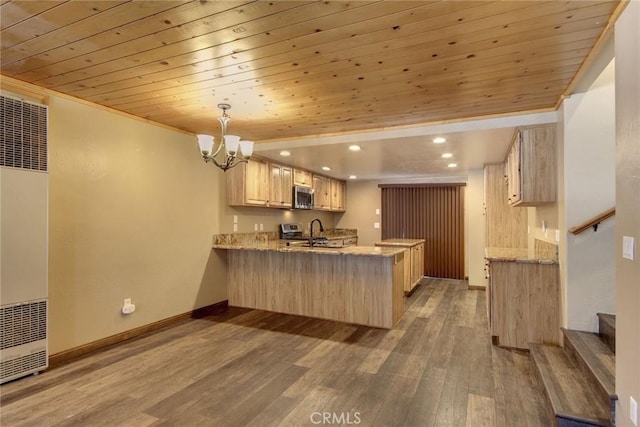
{"x":285,"y":153}
{"x":452,"y":165}
{"x":326,"y":168}
{"x":354,"y":147}
{"x":352,"y":177}
{"x":439,"y":140}
{"x":447,"y":155}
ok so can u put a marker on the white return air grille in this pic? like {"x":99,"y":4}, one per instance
{"x":23,"y":134}
{"x":23,"y":339}
{"x":23,"y":323}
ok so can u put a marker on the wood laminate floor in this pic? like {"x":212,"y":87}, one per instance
{"x":436,"y":367}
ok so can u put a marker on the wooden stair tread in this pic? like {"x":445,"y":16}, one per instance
{"x":597,"y":356}
{"x":570,"y":393}
{"x":610,"y":319}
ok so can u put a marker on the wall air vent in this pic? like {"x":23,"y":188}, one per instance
{"x":24,"y":339}
{"x":23,"y":323}
{"x":23,"y":134}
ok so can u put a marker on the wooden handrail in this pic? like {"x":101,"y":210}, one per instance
{"x":593,"y":222}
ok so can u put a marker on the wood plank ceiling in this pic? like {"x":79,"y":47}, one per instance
{"x":300,"y":68}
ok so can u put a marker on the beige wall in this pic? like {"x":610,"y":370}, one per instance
{"x":627,"y":48}
{"x":589,"y":189}
{"x":132,"y":212}
{"x":132,"y":209}
{"x":476,"y":228}
{"x":270,"y":218}
{"x":363,"y":198}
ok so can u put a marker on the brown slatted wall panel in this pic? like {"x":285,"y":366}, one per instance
{"x":433,"y":213}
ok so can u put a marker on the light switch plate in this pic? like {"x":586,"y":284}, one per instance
{"x":376,"y":225}
{"x":633,"y":411}
{"x":557,"y":235}
{"x":235,"y":228}
{"x":235,"y":219}
{"x":377,"y":211}
{"x":628,"y":244}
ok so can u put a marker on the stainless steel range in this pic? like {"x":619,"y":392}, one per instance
{"x":295,"y":232}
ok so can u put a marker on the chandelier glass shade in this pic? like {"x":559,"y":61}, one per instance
{"x":231,"y":150}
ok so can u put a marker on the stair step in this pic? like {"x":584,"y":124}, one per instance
{"x":596,"y":360}
{"x":607,"y":328}
{"x":568,"y":390}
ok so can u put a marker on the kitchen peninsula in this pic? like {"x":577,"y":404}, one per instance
{"x":354,"y":284}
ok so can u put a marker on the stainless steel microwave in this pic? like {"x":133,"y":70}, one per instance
{"x":302,"y":197}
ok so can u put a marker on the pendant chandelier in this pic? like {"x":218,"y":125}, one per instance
{"x":231,"y":151}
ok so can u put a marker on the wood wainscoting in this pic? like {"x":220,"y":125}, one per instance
{"x":365,"y":290}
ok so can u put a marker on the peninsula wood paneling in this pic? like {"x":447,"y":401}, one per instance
{"x":433,"y":213}
{"x":366,"y":290}
{"x":293,"y":68}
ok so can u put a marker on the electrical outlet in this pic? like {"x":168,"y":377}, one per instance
{"x":633,"y":411}
{"x":235,"y":228}
{"x":377,"y":211}
{"x":376,"y":225}
{"x":255,"y":227}
{"x":127,"y":307}
{"x":261,"y":227}
{"x":557,"y":235}
{"x":235,"y":219}
{"x":627,"y":247}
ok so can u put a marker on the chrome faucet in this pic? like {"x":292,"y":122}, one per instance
{"x":311,"y":230}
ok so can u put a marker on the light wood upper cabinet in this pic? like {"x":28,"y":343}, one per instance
{"x":263,"y":183}
{"x":302,"y":177}
{"x":248,"y":184}
{"x":338,"y":195}
{"x":413,"y":261}
{"x":531,"y":167}
{"x":280,"y":186}
{"x":321,"y":192}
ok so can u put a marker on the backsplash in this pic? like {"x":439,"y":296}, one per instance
{"x":545,"y":250}
{"x":265,"y":236}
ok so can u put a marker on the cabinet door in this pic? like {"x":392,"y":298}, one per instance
{"x":302,"y":177}
{"x":321,"y":187}
{"x":280,"y":186}
{"x":337,"y":195}
{"x":275,"y":185}
{"x":417,"y":263}
{"x":256,"y":183}
{"x":515,"y":178}
{"x":286,"y":186}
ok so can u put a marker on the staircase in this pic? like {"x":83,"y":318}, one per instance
{"x":579,"y":379}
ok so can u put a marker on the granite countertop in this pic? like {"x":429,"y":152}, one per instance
{"x":281,"y":246}
{"x":515,"y":255}
{"x":405,"y":243}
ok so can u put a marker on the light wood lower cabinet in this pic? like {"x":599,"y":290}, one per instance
{"x":523,"y":303}
{"x":413,"y":265}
